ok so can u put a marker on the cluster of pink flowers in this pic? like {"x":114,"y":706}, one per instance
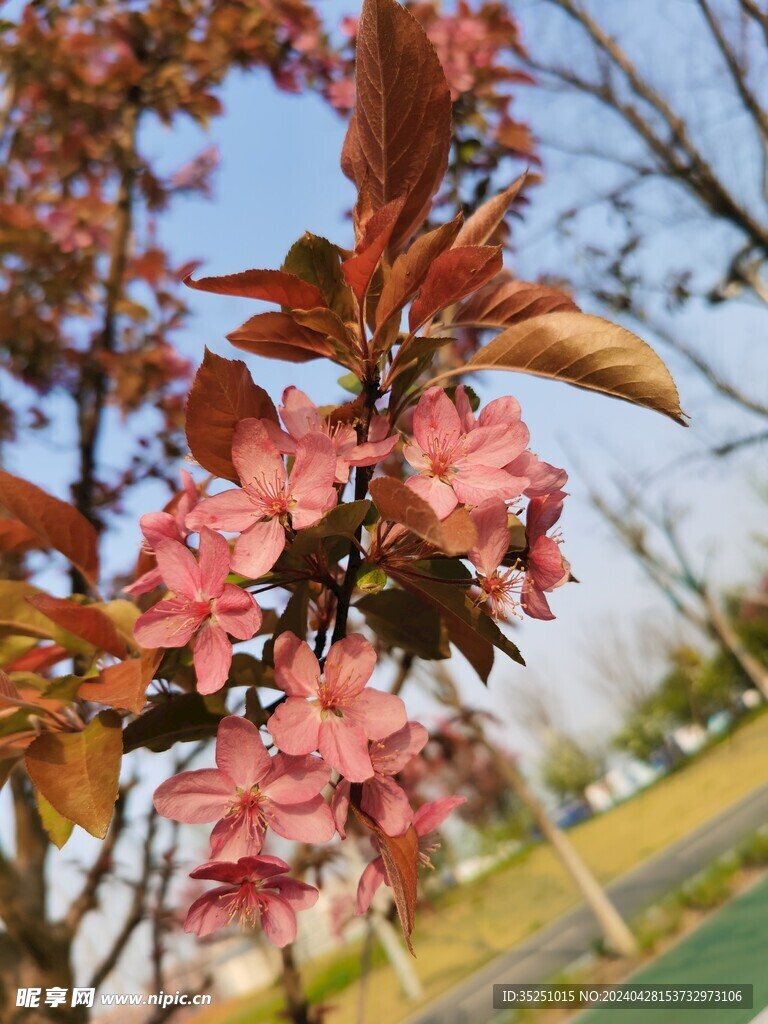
{"x":329,"y":721}
{"x":335,"y":742}
{"x":483,"y":463}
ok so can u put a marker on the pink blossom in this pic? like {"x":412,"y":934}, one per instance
{"x":201,"y":604}
{"x":498,"y":584}
{"x":382,"y":798}
{"x":543,"y":478}
{"x":426,"y":820}
{"x":157,"y":526}
{"x":460,"y":459}
{"x":249,"y":792}
{"x":546,"y":568}
{"x":301,"y":417}
{"x":255,"y":890}
{"x":337,"y":714}
{"x":269,"y":503}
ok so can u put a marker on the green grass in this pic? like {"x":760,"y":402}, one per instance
{"x":467,"y":927}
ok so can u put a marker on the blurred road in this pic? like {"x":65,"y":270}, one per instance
{"x":557,"y":945}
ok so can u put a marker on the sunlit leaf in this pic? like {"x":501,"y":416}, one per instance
{"x":399,"y":136}
{"x":78,"y":772}
{"x":58,"y":524}
{"x":585,"y":351}
{"x":223,"y":393}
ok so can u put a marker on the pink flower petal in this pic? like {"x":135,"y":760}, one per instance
{"x":180,"y":571}
{"x":209,"y":912}
{"x":542,"y":514}
{"x":438,"y":495}
{"x":545,"y":564}
{"x":296,"y":894}
{"x":167,"y":624}
{"x":253,"y":869}
{"x":157,"y":526}
{"x":435,"y":417}
{"x":296,"y":668}
{"x":431,"y":816}
{"x":371,"y":452}
{"x":475,"y":484}
{"x":497,"y":446}
{"x":348,"y":667}
{"x":256,"y":459}
{"x":376,"y":714}
{"x":214,"y":563}
{"x":312,"y":478}
{"x":464,"y":409}
{"x":295,"y":726}
{"x":390,"y":755}
{"x":294,"y":780}
{"x":500,"y":412}
{"x":308,"y":822}
{"x":194,"y":797}
{"x":299,"y":413}
{"x":490,"y":521}
{"x":277,"y":919}
{"x":345,"y":747}
{"x":240,"y":752}
{"x":544,"y":478}
{"x":370,"y":882}
{"x":146,"y":582}
{"x":258,"y":548}
{"x":535,"y":604}
{"x":230,"y":841}
{"x":231,"y":511}
{"x":284,"y":443}
{"x":237,"y":612}
{"x":340,"y":806}
{"x":387,"y":804}
{"x":212,"y":656}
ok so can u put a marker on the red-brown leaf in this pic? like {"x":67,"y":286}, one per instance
{"x":58,"y":524}
{"x":399,"y":504}
{"x":501,"y":304}
{"x":223,"y":393}
{"x":400,"y":134}
{"x":401,"y":858}
{"x":88,"y":623}
{"x":484,"y":221}
{"x":269,"y":285}
{"x":279,"y":336}
{"x":411,"y":267}
{"x":124,"y":685}
{"x":17,"y":536}
{"x":359,"y":269}
{"x":454,"y":274}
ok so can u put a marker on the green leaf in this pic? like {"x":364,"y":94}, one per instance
{"x":317,"y":261}
{"x":63,"y":688}
{"x":370,"y":579}
{"x":78,"y":772}
{"x":180,"y":718}
{"x":340,"y":521}
{"x":58,"y":827}
{"x":469,"y":627}
{"x":351,"y":383}
{"x":404,"y":620}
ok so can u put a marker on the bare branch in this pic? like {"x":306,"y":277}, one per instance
{"x":737,"y":72}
